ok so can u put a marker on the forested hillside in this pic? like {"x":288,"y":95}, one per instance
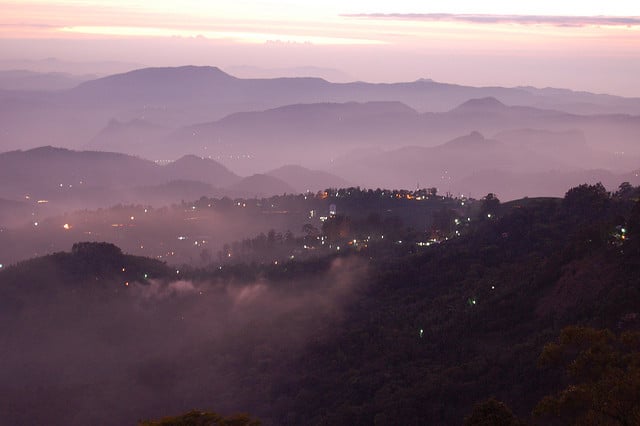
{"x":387,"y":331}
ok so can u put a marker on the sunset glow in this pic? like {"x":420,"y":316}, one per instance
{"x":411,"y":32}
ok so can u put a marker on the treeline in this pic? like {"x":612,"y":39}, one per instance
{"x":476,"y":320}
{"x":447,"y":328}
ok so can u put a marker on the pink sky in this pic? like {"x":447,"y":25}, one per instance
{"x":589,"y":45}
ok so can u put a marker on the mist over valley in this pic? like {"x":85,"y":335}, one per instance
{"x":313,"y":252}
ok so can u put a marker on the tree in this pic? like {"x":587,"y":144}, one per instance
{"x":586,"y":201}
{"x":92,"y":249}
{"x":202,"y":418}
{"x":443,"y":221}
{"x":337,"y":228}
{"x":489,"y":206}
{"x":604,"y":371}
{"x":491,"y":413}
{"x":625,"y":191}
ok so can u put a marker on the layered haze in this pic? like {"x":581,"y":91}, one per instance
{"x":116,"y":347}
{"x":328,"y":212}
{"x":254,"y":126}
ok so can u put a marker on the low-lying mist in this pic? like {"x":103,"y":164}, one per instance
{"x":112,"y":354}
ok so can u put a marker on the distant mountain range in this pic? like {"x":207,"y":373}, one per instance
{"x":513,"y":164}
{"x":316,"y":134}
{"x":184,"y":96}
{"x":330,"y":74}
{"x":29,"y":80}
{"x":303,"y":179}
{"x":89,"y":178}
{"x":369,"y":134}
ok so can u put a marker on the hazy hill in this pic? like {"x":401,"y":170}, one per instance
{"x":260,"y":185}
{"x":172,"y":192}
{"x":200,"y":82}
{"x":303,"y":179}
{"x":330,"y":74}
{"x":69,"y":179}
{"x":184,"y":84}
{"x":182,"y":96}
{"x":132,"y":137}
{"x":480,"y":105}
{"x":514,"y":164}
{"x":50,"y":168}
{"x":191,"y":167}
{"x":60,"y":174}
{"x":441,"y":165}
{"x":30,"y":80}
{"x":56,"y":65}
{"x":569,"y":146}
{"x":306,"y":134}
{"x":315,"y":134}
{"x":544,"y":139}
{"x":580,"y":102}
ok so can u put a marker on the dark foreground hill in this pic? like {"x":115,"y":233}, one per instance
{"x":440,"y":330}
{"x":390,"y":333}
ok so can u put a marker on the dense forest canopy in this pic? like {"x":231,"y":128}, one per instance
{"x":383,"y":331}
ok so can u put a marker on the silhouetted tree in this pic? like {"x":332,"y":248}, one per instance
{"x":586,"y":201}
{"x":605,"y":373}
{"x":491,"y":413}
{"x":489,"y":206}
{"x":203,"y":418}
{"x":625,"y":191}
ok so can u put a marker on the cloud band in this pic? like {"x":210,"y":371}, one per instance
{"x":559,"y":21}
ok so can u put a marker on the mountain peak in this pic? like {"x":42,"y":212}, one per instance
{"x":150,"y":83}
{"x":45,"y":151}
{"x":189,"y":158}
{"x":194,"y":168}
{"x":478,"y":104}
{"x":191,"y":71}
{"x":467,"y":141}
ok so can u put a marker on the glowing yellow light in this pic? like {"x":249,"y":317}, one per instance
{"x":239,"y":36}
{"x":66,"y":226}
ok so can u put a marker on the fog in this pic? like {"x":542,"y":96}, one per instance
{"x":469,"y":66}
{"x":190,"y":232}
{"x":243,"y":191}
{"x":109,"y":353}
{"x":220,"y":135}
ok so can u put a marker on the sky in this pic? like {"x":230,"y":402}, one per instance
{"x":587,"y":45}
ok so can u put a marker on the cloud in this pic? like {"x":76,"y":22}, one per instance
{"x":558,"y":21}
{"x":159,"y":290}
{"x":26,"y":25}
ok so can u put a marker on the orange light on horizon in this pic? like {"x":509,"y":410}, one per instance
{"x":237,"y":36}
